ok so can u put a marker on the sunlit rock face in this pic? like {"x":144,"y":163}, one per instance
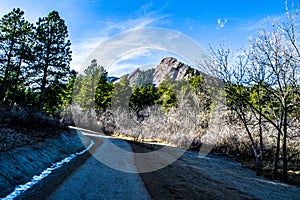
{"x":133,"y":76}
{"x":169,"y":67}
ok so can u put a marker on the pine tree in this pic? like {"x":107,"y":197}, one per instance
{"x":52,"y":52}
{"x":92,"y":75}
{"x":24,"y":55}
{"x":59,"y":95}
{"x":166,"y":94}
{"x":121,"y":94}
{"x":142,"y":97}
{"x":14,"y":31}
{"x":85,"y":86}
{"x":104,"y":92}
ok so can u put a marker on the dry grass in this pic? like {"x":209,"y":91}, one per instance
{"x":87,"y":119}
{"x":24,"y":127}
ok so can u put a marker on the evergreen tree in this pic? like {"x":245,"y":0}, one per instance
{"x":121,"y":94}
{"x":25,"y":57}
{"x":86,"y":85}
{"x":78,"y":91}
{"x":14,"y":39}
{"x":92,"y":75}
{"x":59,"y":95}
{"x":104,"y":92}
{"x":143,"y":96}
{"x":166,"y":94}
{"x":52,"y":53}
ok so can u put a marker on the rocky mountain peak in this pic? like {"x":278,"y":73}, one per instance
{"x":169,"y":61}
{"x":170,"y":67}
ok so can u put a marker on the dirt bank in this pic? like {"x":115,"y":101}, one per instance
{"x":19,"y":165}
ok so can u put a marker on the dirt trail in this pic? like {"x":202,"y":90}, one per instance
{"x":94,"y":180}
{"x":189,"y":177}
{"x":211,"y":177}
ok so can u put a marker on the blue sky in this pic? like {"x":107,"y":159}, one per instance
{"x":92,"y":22}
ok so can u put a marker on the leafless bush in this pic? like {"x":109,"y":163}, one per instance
{"x":233,"y":140}
{"x":20,"y":127}
{"x":181,"y":126}
{"x":82,"y":118}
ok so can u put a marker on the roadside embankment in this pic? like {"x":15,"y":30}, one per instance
{"x":18,"y":166}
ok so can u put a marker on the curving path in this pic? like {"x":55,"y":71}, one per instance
{"x":94,"y":180}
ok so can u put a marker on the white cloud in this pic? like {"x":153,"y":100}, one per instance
{"x":83,"y":47}
{"x":221,"y":23}
{"x":138,"y":58}
{"x":145,"y":7}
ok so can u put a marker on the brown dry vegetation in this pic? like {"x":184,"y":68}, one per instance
{"x":25,"y":127}
{"x":184,"y":128}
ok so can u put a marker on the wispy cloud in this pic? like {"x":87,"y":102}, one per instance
{"x":221,"y":23}
{"x":111,"y":26}
{"x":260,"y":23}
{"x":83,"y":47}
{"x":130,"y":49}
{"x":138,"y":58}
{"x":146,"y":7}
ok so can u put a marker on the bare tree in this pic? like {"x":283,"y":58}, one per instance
{"x":276,"y":52}
{"x":270,"y":73}
{"x":233,"y":69}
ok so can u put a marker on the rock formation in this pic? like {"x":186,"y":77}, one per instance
{"x":168,"y":67}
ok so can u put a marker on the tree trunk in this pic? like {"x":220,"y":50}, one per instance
{"x":16,"y":82}
{"x":93,"y":92}
{"x":43,"y":88}
{"x":284,"y":150}
{"x":256,"y":159}
{"x":5,"y":79}
{"x":260,"y":165}
{"x":275,"y":175}
{"x":44,"y":80}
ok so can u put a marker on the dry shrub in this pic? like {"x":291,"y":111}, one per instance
{"x":87,"y":119}
{"x":20,"y":127}
{"x":181,"y":126}
{"x":10,"y":139}
{"x":25,"y":119}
